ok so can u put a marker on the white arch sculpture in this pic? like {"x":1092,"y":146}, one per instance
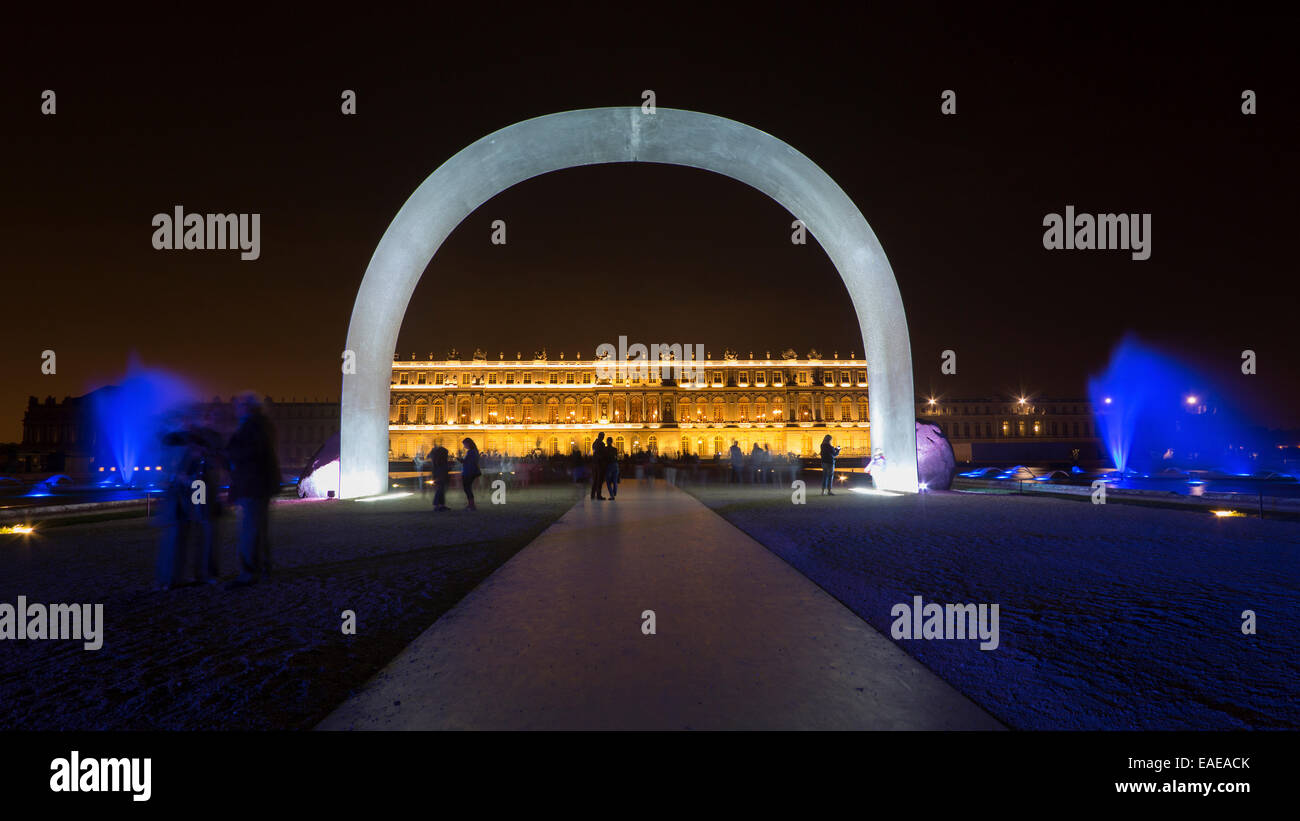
{"x":612,"y":135}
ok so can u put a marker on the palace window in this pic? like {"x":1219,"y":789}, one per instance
{"x":437,"y":413}
{"x":846,"y":414}
{"x":586,"y":379}
{"x":568,"y":378}
{"x":634,"y":413}
{"x":492,"y":379}
{"x":419,"y":380}
{"x":553,"y":378}
{"x":528,"y":411}
{"x":421,"y":413}
{"x":528,"y":378}
{"x":401,"y":380}
{"x":864,"y":411}
{"x":743,"y":379}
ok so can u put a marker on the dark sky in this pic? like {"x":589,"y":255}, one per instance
{"x":1102,"y":108}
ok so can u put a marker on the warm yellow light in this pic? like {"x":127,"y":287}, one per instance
{"x":1191,"y":400}
{"x":1224,"y":514}
{"x":18,"y":529}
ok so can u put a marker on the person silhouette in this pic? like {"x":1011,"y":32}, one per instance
{"x":440,"y":466}
{"x":829,"y":452}
{"x":611,"y":469}
{"x":737,"y":461}
{"x":469,"y":471}
{"x":254,"y":479}
{"x":598,"y":466}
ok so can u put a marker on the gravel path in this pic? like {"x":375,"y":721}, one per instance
{"x":1112,"y":616}
{"x":269,"y":656}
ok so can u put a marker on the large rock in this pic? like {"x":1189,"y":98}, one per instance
{"x":935,"y":463}
{"x":321,"y":478}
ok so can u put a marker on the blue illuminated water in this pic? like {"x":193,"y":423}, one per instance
{"x":1154,"y":413}
{"x":131,"y":417}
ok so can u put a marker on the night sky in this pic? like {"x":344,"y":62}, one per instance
{"x":1098,"y":109}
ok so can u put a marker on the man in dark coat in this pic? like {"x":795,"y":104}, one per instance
{"x":254,"y":479}
{"x":439,"y":458}
{"x":828,"y":453}
{"x":598,"y":465}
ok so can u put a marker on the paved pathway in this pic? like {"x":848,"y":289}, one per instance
{"x":553,"y":639}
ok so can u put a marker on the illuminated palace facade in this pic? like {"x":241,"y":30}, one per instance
{"x":551,"y":406}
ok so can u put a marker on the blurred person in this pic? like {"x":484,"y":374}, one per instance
{"x":254,"y":479}
{"x":204,"y":463}
{"x":469,"y":471}
{"x":419,"y":464}
{"x":876,"y":466}
{"x":737,"y":461}
{"x":173,"y":516}
{"x":439,"y":459}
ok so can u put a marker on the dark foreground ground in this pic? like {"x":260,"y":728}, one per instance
{"x":1112,"y":616}
{"x":270,"y":656}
